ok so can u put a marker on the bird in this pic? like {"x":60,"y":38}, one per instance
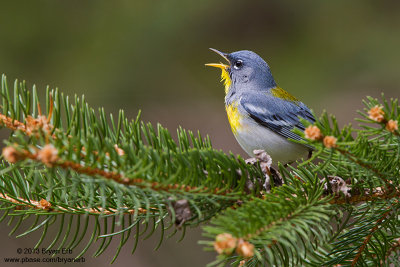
{"x":261,"y":114}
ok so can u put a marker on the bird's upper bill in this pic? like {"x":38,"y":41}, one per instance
{"x":225,"y":77}
{"x":219,"y":65}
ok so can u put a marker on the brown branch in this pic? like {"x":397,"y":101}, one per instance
{"x":45,"y":205}
{"x":379,"y":194}
{"x":48,"y":156}
{"x":368,"y":238}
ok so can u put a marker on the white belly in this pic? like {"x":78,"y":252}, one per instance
{"x":253,"y":136}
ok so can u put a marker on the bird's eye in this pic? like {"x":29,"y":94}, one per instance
{"x":238,"y":64}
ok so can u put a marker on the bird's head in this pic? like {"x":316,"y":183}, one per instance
{"x":246,"y":70}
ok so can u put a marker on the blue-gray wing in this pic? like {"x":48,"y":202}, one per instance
{"x":276,"y":114}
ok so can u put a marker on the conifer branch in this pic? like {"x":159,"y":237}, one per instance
{"x":46,"y":157}
{"x":45,"y":205}
{"x":353,"y":158}
{"x":368,"y":238}
{"x":329,"y":142}
{"x":42,"y":124}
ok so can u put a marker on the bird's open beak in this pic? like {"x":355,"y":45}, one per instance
{"x":219,"y":65}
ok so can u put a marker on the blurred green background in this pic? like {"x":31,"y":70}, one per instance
{"x":150,"y":55}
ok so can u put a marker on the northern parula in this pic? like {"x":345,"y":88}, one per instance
{"x":261,"y":114}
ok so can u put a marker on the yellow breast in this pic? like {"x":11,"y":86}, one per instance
{"x":234,"y":117}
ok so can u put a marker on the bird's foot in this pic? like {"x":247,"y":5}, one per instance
{"x":271,"y":175}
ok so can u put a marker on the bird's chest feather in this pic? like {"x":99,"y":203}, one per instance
{"x":234,"y":117}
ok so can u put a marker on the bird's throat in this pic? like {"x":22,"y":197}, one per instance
{"x":226,"y":80}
